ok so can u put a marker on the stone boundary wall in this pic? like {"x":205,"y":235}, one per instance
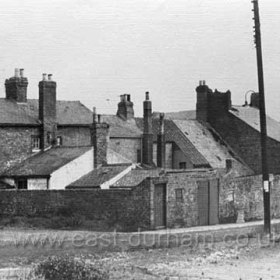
{"x":246,"y":194}
{"x":112,"y":209}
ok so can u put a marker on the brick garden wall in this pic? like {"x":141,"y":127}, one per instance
{"x":111,"y":209}
{"x":184,"y":213}
{"x":246,"y":194}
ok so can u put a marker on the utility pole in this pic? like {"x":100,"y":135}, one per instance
{"x":265,"y":172}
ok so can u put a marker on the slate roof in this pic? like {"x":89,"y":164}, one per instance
{"x":98,"y":176}
{"x":251,"y":116}
{"x":203,"y":140}
{"x":174,"y":134}
{"x":44,"y":163}
{"x":135,"y":177}
{"x":120,"y":128}
{"x":181,"y":115}
{"x":68,"y":112}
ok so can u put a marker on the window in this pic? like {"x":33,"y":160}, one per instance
{"x":138,"y":155}
{"x":35,"y":143}
{"x":182,"y":165}
{"x":179,"y":195}
{"x":59,"y":140}
{"x":21,"y":184}
{"x":48,"y":137}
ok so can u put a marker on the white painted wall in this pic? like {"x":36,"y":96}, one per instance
{"x":37,"y":184}
{"x":72,"y":171}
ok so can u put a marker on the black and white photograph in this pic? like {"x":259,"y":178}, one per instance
{"x":139,"y":139}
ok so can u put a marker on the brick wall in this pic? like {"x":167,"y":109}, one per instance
{"x":15,"y":144}
{"x":113,"y":209}
{"x":75,"y":136}
{"x":246,"y":194}
{"x":127,"y":147}
{"x":184,"y":213}
{"x":246,"y":142}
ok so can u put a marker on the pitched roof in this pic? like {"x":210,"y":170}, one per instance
{"x":122,"y":128}
{"x":174,"y":134}
{"x":204,"y":141}
{"x":135,"y":177}
{"x":68,"y":112}
{"x":98,"y":176}
{"x":44,"y":163}
{"x":250,"y":115}
{"x":181,"y":115}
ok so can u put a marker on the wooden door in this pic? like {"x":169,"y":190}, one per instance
{"x":214,"y":202}
{"x":160,"y":205}
{"x":203,"y":203}
{"x":208,"y":202}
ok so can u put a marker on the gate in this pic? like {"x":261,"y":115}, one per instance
{"x":208,"y":202}
{"x":160,"y":205}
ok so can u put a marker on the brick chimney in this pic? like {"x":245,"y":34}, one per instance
{"x":161,"y":143}
{"x":100,"y":140}
{"x":202,"y":101}
{"x":211,"y":105}
{"x":125,"y":107}
{"x":47,"y":111}
{"x":147,"y":157}
{"x":255,"y":100}
{"x":16,"y":87}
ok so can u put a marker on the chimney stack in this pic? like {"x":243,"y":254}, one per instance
{"x":100,"y":140}
{"x":16,"y":87}
{"x":202,"y":101}
{"x":125,"y":107}
{"x":47,"y":111}
{"x":147,"y":156}
{"x":161,"y":143}
{"x":255,"y":100}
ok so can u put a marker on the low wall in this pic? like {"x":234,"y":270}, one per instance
{"x":114,"y":209}
{"x":246,"y":194}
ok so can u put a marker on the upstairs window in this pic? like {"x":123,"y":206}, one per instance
{"x":182,"y":165}
{"x":35,"y":143}
{"x":21,"y":184}
{"x":59,"y":141}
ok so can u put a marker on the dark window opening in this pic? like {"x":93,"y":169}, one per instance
{"x":48,"y":137}
{"x":21,"y":184}
{"x":179,"y":195}
{"x":139,"y":155}
{"x":182,"y":165}
{"x":35,"y":143}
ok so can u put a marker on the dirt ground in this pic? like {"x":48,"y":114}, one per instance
{"x":249,"y":260}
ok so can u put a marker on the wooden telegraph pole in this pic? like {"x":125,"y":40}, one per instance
{"x":265,"y":172}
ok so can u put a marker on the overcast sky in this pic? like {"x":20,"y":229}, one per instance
{"x":99,"y":49}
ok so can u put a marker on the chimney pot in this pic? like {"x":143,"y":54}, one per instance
{"x":147,"y":95}
{"x":99,"y":118}
{"x":128,"y":97}
{"x":200,"y":83}
{"x":16,"y":72}
{"x":21,"y":72}
{"x":50,"y":77}
{"x":44,"y":77}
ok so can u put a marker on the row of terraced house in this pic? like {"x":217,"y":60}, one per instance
{"x":171,"y":169}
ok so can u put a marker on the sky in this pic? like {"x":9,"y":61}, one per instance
{"x":100,"y":49}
